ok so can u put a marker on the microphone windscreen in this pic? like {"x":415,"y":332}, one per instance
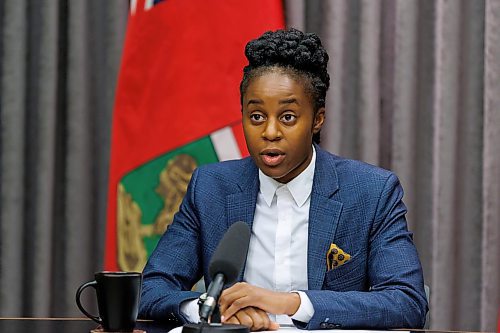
{"x":229,"y":256}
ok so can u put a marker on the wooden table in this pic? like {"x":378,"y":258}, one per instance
{"x":84,"y":325}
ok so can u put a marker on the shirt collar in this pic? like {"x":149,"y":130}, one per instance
{"x":300,"y":187}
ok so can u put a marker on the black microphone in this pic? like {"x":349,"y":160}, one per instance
{"x":225,"y":266}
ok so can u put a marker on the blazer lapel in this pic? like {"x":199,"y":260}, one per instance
{"x":240,"y":206}
{"x":324,"y":215}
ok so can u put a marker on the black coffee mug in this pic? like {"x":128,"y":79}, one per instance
{"x":118,"y":297}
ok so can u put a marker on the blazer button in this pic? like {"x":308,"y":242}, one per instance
{"x":323,"y":325}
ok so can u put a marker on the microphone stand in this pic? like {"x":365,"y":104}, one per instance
{"x":206,"y":326}
{"x":227,"y":260}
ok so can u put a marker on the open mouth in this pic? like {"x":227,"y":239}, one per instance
{"x":272,"y":157}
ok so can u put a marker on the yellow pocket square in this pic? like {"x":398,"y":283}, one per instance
{"x":336,"y":257}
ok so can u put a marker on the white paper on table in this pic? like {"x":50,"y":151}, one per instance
{"x":290,"y":329}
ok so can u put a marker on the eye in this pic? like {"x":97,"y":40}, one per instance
{"x":288,"y":118}
{"x":257,"y":117}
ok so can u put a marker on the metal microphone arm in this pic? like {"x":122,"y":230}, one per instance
{"x":208,"y":300}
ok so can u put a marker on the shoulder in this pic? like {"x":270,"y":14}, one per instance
{"x":362,"y":170}
{"x":353,"y":175}
{"x":227,"y":170}
{"x":228,"y":175}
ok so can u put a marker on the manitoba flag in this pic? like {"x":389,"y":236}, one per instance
{"x":177,"y":107}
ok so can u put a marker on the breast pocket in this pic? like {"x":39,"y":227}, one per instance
{"x":348,"y":277}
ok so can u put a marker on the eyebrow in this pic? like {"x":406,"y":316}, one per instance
{"x":283,"y":101}
{"x":255,"y":101}
{"x":289,"y":101}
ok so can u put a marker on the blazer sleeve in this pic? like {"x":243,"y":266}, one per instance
{"x":174,"y":266}
{"x":395,"y":296}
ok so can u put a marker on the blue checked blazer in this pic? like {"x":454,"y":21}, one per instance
{"x":354,"y":205}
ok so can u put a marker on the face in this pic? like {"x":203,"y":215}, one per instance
{"x":279,"y":123}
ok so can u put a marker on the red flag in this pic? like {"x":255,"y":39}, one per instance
{"x":177,"y":106}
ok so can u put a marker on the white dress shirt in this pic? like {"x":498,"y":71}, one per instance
{"x":277,"y":255}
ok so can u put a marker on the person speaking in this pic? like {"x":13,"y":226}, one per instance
{"x":329,"y":245}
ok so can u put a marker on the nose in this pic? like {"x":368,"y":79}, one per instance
{"x":272,"y":130}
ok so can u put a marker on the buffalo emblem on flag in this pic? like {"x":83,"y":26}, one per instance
{"x":149,"y":196}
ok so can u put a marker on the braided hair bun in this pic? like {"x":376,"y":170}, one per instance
{"x":289,"y":48}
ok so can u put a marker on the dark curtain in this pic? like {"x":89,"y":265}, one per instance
{"x":59,"y":61}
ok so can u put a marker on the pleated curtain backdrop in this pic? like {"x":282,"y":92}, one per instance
{"x":415,"y":88}
{"x":59,"y":62}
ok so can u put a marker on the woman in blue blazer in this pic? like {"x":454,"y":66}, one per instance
{"x":349,"y":259}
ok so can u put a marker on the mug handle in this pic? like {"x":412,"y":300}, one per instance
{"x":92,"y":284}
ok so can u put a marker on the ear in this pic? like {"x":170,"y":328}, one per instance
{"x":319,"y":119}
